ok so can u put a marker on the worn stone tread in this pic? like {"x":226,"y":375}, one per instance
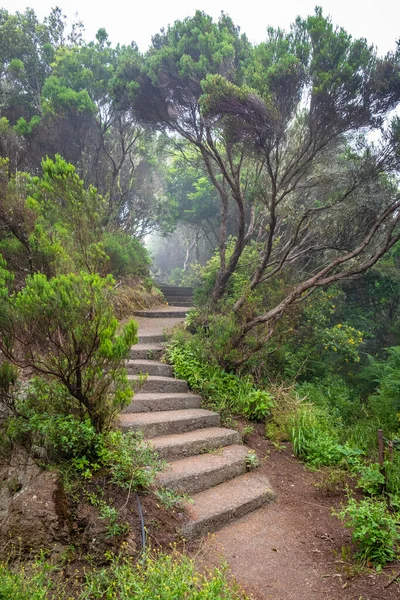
{"x":157,"y":383}
{"x":152,"y":367}
{"x":170,"y":421}
{"x":196,"y":473}
{"x":162,"y":312}
{"x":152,"y":338}
{"x":194,"y":442}
{"x":171,"y":299}
{"x":175,"y":289}
{"x":152,"y":402}
{"x":214,"y":507}
{"x":178,"y":303}
{"x":142,"y":351}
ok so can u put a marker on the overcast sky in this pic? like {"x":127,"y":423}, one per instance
{"x":378,"y":20}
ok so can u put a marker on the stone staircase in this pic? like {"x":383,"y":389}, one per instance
{"x":177,"y":296}
{"x":205,"y":460}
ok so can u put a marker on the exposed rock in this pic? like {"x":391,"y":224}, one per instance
{"x":36,"y":517}
{"x":19,"y":471}
{"x":95,"y":536}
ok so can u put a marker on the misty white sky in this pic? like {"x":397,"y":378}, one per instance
{"x":378,"y":20}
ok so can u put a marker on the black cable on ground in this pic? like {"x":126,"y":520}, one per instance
{"x":141,"y":522}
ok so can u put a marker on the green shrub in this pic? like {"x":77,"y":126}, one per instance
{"x":63,"y":329}
{"x":384,"y":406}
{"x":392,"y":474}
{"x":332,"y":393}
{"x":255,"y":404}
{"x":223,"y":391}
{"x":323,"y":450}
{"x":63,"y":436}
{"x":131,"y":462}
{"x":67,"y":220}
{"x":313,"y":437}
{"x":375,"y":529}
{"x":127,"y":255}
{"x":30,"y":584}
{"x":160,"y":576}
{"x":371,"y":480}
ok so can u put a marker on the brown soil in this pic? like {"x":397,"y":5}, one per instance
{"x":293,"y":548}
{"x":91,"y":533}
{"x":92,"y":547}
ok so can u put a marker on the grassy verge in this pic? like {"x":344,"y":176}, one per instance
{"x":159,"y":576}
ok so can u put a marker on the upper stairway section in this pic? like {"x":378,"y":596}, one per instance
{"x":177,"y":296}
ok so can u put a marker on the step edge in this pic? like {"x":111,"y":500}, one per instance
{"x":196,"y":527}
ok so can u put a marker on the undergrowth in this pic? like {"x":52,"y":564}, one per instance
{"x":375,"y":530}
{"x":222,"y":391}
{"x":158,"y":575}
{"x":326,"y":423}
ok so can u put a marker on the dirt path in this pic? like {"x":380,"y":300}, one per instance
{"x":292,"y":549}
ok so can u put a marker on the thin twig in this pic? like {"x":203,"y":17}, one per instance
{"x":129,"y":493}
{"x":392,"y":580}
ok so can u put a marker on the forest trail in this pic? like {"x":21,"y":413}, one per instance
{"x":206,"y":461}
{"x":294,"y":548}
{"x":289,"y":549}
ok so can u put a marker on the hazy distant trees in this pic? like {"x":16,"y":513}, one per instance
{"x":267,"y":145}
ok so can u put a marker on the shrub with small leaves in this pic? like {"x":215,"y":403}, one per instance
{"x":375,"y":529}
{"x":371,"y":479}
{"x":169,"y":576}
{"x":131,"y":461}
{"x":64,"y":330}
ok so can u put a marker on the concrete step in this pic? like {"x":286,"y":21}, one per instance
{"x":161,"y":402}
{"x":216,"y":506}
{"x":156,"y":338}
{"x":196,"y":473}
{"x":194,"y":442}
{"x":151,"y":367}
{"x":179,"y":298}
{"x":162,"y":314}
{"x":169,"y":421}
{"x":156,"y":383}
{"x":178,"y":303}
{"x":151,"y":351}
{"x":173,"y":289}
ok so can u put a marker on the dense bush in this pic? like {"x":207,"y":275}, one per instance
{"x":57,"y":224}
{"x":127,"y":255}
{"x":223,"y":391}
{"x":385,"y":403}
{"x":63,"y":329}
{"x":333,"y":394}
{"x":131,"y":461}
